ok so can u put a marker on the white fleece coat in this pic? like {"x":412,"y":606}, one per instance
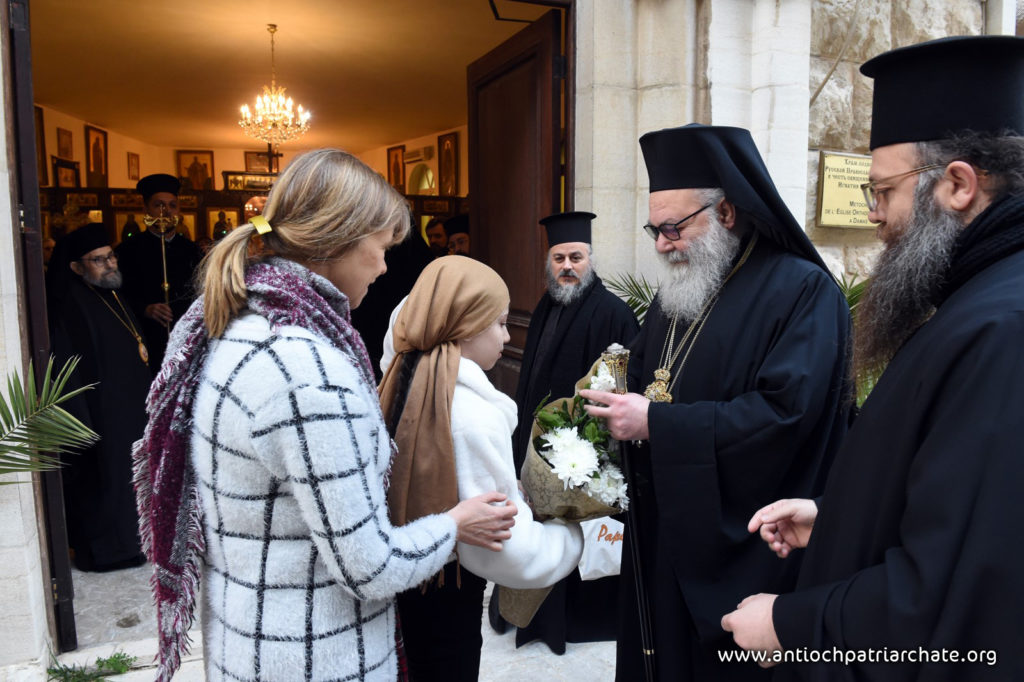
{"x":301,"y":562}
{"x":483,"y":418}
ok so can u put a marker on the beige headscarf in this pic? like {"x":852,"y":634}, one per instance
{"x":454,"y":298}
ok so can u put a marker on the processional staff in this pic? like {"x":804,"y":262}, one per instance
{"x":617,"y":360}
{"x":162,"y":225}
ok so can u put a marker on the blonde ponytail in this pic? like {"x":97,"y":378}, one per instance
{"x":323,"y":203}
{"x":222,"y":274}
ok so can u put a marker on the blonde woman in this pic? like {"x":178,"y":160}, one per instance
{"x":454,"y":432}
{"x":266,"y":456}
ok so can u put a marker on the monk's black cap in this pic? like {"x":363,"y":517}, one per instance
{"x":931,"y":90}
{"x":457,"y":224}
{"x":85,"y":239}
{"x":697,"y":156}
{"x":158,"y":182}
{"x":572,"y":226}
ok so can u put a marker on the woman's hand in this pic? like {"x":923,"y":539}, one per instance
{"x":785,"y":525}
{"x":482,"y":523}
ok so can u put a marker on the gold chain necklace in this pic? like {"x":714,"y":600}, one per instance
{"x":126,"y":321}
{"x":660,"y":390}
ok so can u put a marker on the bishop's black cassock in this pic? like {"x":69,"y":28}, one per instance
{"x":757,"y":413}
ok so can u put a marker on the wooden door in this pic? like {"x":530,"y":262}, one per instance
{"x":514,"y":168}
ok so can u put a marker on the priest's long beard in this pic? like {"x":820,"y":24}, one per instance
{"x":567,"y":294}
{"x":697,"y":274}
{"x":904,"y":282}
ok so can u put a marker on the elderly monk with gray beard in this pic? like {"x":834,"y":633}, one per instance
{"x":740,"y":396}
{"x":916,"y":547}
{"x":573,"y":323}
{"x":90,"y":319}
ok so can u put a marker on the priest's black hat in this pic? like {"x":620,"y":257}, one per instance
{"x":85,"y":239}
{"x":158,"y":182}
{"x":457,"y":224}
{"x":572,"y":226}
{"x":931,"y":90}
{"x":697,"y":156}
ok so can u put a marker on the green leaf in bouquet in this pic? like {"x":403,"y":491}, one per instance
{"x":543,"y":402}
{"x":550,"y":420}
{"x":565,"y":414}
{"x":592,"y":432}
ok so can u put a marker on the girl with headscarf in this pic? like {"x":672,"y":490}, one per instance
{"x":266,"y":457}
{"x":453,"y":429}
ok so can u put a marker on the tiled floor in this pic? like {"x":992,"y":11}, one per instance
{"x":114,"y":611}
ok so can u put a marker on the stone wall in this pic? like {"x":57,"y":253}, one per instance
{"x":853,"y":31}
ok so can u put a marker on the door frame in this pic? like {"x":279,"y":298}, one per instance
{"x":20,"y":131}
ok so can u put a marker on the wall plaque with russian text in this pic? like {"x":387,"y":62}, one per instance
{"x":840,"y":199}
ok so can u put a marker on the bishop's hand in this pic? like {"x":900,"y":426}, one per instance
{"x":625,"y":414}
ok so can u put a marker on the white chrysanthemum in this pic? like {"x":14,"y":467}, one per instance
{"x":603,"y":380}
{"x":573,"y":461}
{"x":609,"y":486}
{"x":560,"y":438}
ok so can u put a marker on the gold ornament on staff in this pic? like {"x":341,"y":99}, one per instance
{"x":162,"y":225}
{"x":616,"y":358}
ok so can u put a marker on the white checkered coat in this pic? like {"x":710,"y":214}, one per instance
{"x":301,"y":562}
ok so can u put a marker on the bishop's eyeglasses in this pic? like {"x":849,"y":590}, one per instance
{"x":876,"y":188}
{"x":671,"y":230}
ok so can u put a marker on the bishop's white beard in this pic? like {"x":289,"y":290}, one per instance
{"x":566,"y":294}
{"x":696,"y":275}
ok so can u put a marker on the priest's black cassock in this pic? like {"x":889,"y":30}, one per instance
{"x":917,"y":544}
{"x":574,"y":610}
{"x":585,"y":328}
{"x":99,"y":498}
{"x":918,"y":540}
{"x":757,"y":412}
{"x":139,"y":260}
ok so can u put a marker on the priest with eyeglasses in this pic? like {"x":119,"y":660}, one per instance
{"x":738,"y":396}
{"x":90,"y":318}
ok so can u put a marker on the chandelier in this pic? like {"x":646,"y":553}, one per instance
{"x":275,"y":120}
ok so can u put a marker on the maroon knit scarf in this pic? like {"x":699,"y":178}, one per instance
{"x":170,"y":520}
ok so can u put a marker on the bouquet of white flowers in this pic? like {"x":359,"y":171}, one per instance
{"x":571,"y":472}
{"x":571,"y":469}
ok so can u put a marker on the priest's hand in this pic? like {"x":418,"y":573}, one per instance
{"x":626,"y":414}
{"x":160,"y":312}
{"x":752,"y":627}
{"x":785,"y":524}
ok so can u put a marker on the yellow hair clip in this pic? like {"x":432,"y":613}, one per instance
{"x":261,"y":224}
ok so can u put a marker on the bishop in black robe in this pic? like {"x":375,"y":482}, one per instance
{"x":757,"y":411}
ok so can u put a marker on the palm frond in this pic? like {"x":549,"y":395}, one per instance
{"x":853,"y":291}
{"x":33,"y":426}
{"x":636,"y":291}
